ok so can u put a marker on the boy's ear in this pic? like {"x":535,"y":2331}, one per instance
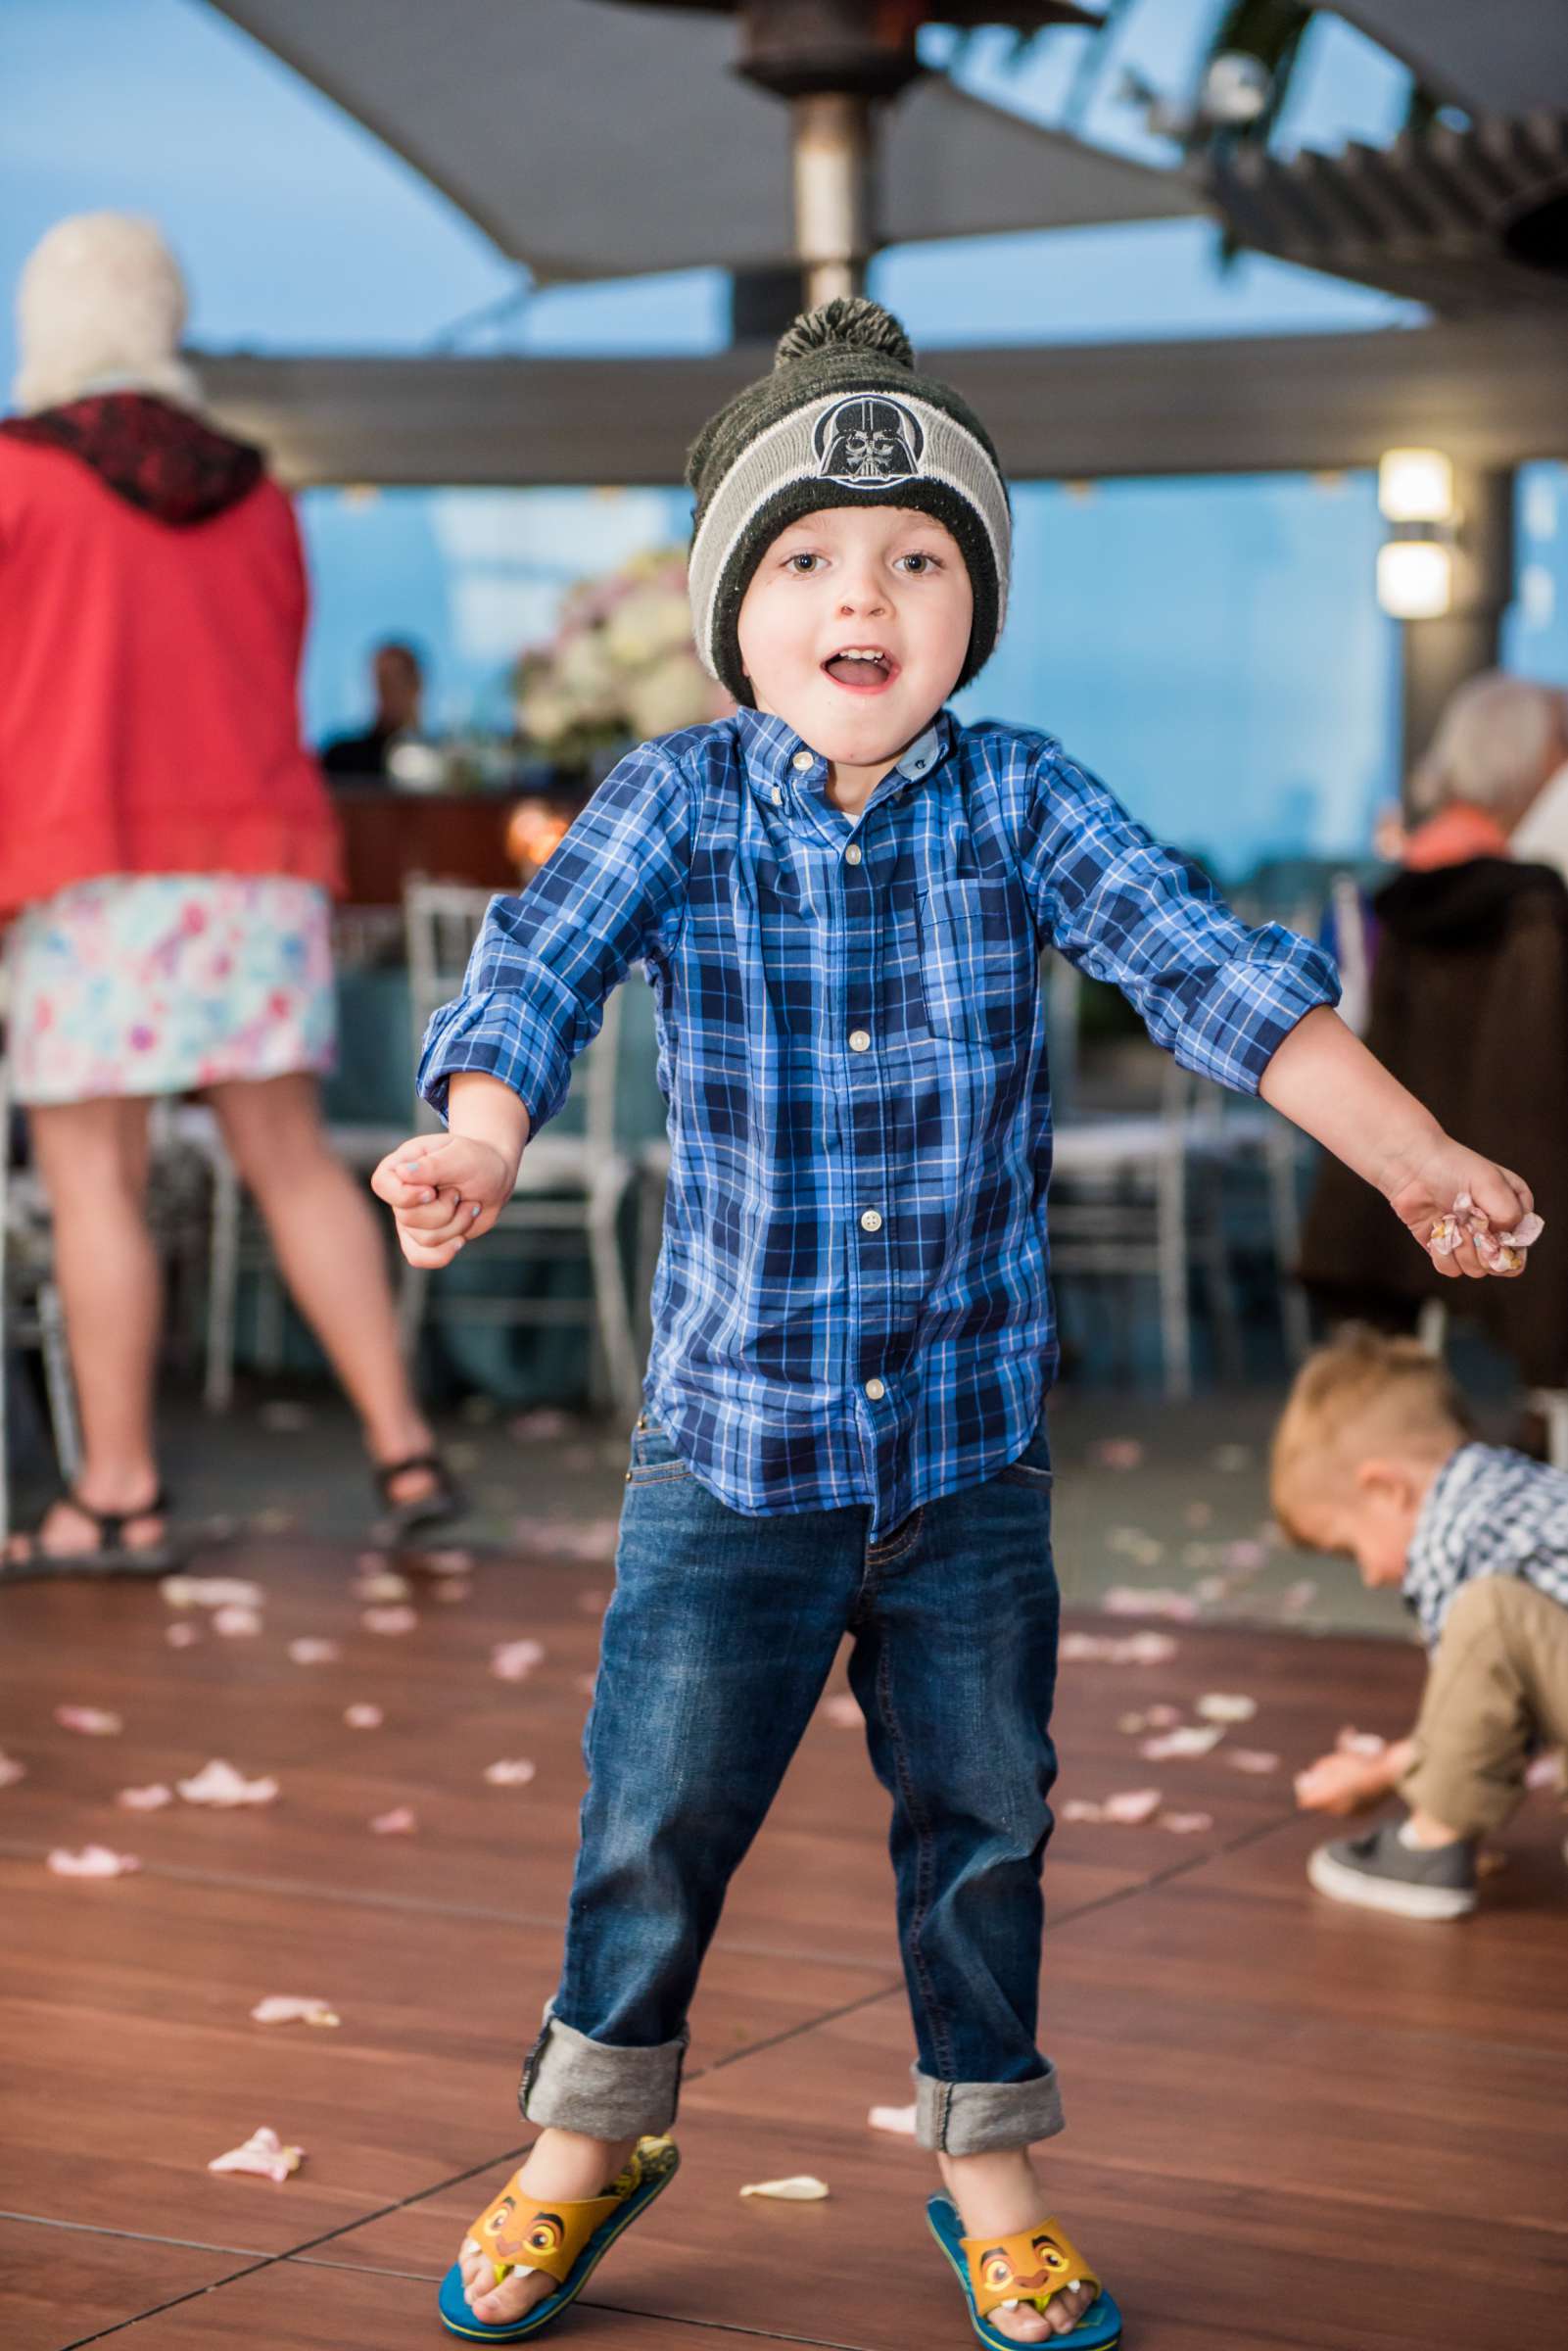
{"x":1381,"y":1480}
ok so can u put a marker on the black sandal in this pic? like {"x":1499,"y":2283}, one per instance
{"x":112,"y":1555}
{"x":444,"y":1501}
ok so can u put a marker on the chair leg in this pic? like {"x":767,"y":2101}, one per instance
{"x":61,"y":1387}
{"x":1285,"y":1223}
{"x":1175,"y":1310}
{"x":611,"y":1306}
{"x":222,"y":1288}
{"x":413,"y":1296}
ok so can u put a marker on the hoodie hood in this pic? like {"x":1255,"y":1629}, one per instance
{"x":155,"y":457}
{"x":1465,"y":905}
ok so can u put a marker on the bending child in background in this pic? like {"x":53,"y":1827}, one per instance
{"x":1373,"y":1457}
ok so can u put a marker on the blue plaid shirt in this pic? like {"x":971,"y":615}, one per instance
{"x":851,"y":1304}
{"x":1488,"y":1511}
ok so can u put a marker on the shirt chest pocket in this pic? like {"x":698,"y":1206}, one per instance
{"x":977,"y":960}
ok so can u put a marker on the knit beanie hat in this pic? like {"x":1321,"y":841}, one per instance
{"x":843,"y":420}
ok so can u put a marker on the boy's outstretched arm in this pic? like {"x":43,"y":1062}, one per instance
{"x":1324,"y":1081}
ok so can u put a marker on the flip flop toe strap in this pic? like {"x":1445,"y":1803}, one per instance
{"x":518,"y":2232}
{"x":1033,"y":2266}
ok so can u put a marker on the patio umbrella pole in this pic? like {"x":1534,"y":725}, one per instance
{"x":833,"y":192}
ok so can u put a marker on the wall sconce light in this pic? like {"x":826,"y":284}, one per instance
{"x":1415,"y":563}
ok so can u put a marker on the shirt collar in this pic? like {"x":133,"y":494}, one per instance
{"x":777,"y":757}
{"x":1427,"y":1550}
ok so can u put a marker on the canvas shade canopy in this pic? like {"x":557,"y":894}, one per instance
{"x":592,"y":140}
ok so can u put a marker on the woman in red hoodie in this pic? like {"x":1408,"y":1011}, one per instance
{"x":166,"y":858}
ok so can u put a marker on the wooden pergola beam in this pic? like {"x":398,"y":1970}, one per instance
{"x":1490,"y":392}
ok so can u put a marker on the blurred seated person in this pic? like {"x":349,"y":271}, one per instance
{"x":397,"y":682}
{"x":1468,"y":1006}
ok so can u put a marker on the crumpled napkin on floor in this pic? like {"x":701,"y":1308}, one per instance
{"x":93,"y":1862}
{"x":801,"y":2188}
{"x":283,"y":2008}
{"x":219,"y":1785}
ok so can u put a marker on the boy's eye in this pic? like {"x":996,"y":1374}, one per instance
{"x":804,"y":557}
{"x":919,"y":556}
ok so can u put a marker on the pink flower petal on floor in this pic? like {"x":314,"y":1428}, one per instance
{"x":263,"y":2154}
{"x":1296,"y":1599}
{"x":1225,"y":1705}
{"x":899,"y":2119}
{"x":93,"y":1862}
{"x":1360,"y":1743}
{"x":1255,"y":1759}
{"x":1545,"y":1771}
{"x":182,"y":1635}
{"x":390,"y":1621}
{"x":1163,"y":1718}
{"x":283,"y":2008}
{"x":237,"y":1623}
{"x":152,"y":1799}
{"x":309,"y":1650}
{"x":1080,"y":1807}
{"x":93,"y":1722}
{"x":11,"y":1771}
{"x":1132,"y":1806}
{"x":541,"y":1426}
{"x":1185,"y":1824}
{"x":363,"y":1718}
{"x":1117,"y":1453}
{"x":1186,"y":1740}
{"x":1129,"y":1725}
{"x":383,"y":1586}
{"x":400,"y":1822}
{"x":1140,"y":1599}
{"x":1245,"y":1556}
{"x":799,"y":2189}
{"x":510,"y":1772}
{"x":218,"y":1784}
{"x":592,"y":1604}
{"x":843,"y":1711}
{"x":1132,"y":1648}
{"x":513,"y":1660}
{"x":448,"y":1563}
{"x":210,"y":1591}
{"x":452,"y":1588}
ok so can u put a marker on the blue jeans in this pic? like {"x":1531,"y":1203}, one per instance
{"x":716,"y":1648}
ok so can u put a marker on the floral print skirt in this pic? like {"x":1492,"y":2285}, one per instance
{"x":157,"y":984}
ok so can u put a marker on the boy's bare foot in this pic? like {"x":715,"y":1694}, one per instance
{"x":1000,"y":2194}
{"x":559,"y":2163}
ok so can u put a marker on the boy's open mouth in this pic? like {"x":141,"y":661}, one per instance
{"x":862,"y":669}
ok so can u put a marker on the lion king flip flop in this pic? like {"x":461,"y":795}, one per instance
{"x":1034,"y":2266}
{"x":568,"y":2240}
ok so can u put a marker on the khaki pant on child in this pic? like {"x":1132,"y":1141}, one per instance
{"x":1496,"y":1684}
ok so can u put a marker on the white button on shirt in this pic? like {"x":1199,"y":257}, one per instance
{"x":852,"y":853}
{"x":859,"y":1041}
{"x":871,"y":1221}
{"x":802,"y":760}
{"x":875,"y":1390}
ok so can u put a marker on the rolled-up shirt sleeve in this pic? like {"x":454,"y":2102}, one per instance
{"x":1218,"y":995}
{"x":546,"y":961}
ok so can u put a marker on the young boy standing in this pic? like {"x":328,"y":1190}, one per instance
{"x":840,"y":896}
{"x":1373,"y":1456}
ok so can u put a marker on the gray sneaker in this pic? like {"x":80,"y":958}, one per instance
{"x":1377,"y":1870}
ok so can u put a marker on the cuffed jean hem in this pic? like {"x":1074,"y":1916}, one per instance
{"x":573,"y":2084}
{"x":976,"y":2117}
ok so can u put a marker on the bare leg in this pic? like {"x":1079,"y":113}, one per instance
{"x":1001,"y":2193}
{"x":328,"y":1244}
{"x":92,"y":1156}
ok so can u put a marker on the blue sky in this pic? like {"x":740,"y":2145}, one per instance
{"x":1212,"y":647}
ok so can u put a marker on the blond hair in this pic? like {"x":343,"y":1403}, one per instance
{"x":1363,"y":1395}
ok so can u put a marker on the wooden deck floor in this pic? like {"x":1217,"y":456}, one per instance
{"x":1291,"y":2125}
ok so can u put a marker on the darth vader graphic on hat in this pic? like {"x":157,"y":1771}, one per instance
{"x":867,"y":441}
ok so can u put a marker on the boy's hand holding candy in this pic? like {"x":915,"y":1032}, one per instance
{"x":1470,"y":1216}
{"x":444,"y":1189}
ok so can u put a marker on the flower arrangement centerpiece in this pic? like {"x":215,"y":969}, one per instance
{"x":620,"y":667}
